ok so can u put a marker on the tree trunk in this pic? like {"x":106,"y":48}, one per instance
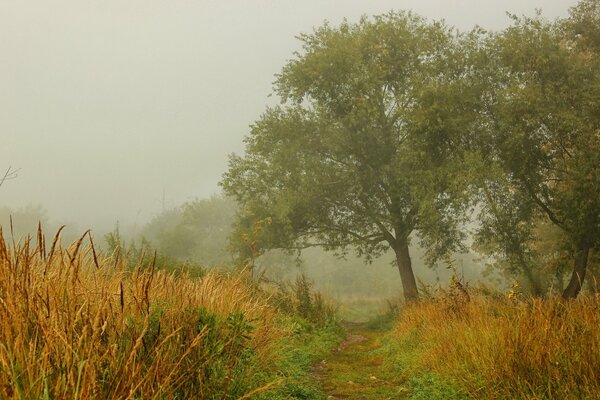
{"x":409,"y":285}
{"x":579,"y":268}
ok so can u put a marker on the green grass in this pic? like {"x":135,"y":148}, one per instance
{"x":362,"y":309}
{"x":358,"y":369}
{"x":373,"y":365}
{"x":403,"y":359}
{"x":299,"y":352}
{"x":429,"y":386}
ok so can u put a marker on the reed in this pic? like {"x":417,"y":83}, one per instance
{"x":81,"y":325}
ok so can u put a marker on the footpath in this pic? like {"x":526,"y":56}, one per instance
{"x":356,"y":369}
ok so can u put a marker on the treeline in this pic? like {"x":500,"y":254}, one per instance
{"x":395,"y":130}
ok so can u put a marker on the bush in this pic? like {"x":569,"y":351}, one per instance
{"x":300,"y":299}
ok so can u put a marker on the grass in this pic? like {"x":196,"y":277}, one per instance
{"x":495,"y":347}
{"x":299,"y":353}
{"x":81,"y":325}
{"x":362,"y":309}
{"x":358,"y":369}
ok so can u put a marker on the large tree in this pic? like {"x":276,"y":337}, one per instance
{"x":545,"y":127}
{"x":361,"y":154}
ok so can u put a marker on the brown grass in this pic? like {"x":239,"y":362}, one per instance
{"x":508,"y":348}
{"x":78,"y":325}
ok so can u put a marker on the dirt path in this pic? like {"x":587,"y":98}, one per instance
{"x":356,"y":369}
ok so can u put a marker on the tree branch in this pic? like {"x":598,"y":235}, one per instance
{"x":9,"y":174}
{"x":543,"y":205}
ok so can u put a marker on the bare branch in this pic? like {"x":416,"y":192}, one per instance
{"x":9,"y":174}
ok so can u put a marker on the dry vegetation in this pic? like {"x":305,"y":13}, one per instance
{"x":511,"y":347}
{"x":77,"y":325}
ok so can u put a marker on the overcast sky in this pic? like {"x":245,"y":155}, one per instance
{"x":105,"y":104}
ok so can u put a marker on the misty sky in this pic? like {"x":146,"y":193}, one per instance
{"x":103,"y":104}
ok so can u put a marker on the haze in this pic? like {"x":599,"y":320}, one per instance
{"x":107,"y":105}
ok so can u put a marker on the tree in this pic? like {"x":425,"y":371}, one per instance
{"x":545,"y":128}
{"x":506,"y":233}
{"x":361,"y":153}
{"x":196,"y":231}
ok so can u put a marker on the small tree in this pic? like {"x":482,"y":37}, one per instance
{"x":362,"y":152}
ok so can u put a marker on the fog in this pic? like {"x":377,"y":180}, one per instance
{"x":115,"y":110}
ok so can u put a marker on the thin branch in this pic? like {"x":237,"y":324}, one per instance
{"x":9,"y":174}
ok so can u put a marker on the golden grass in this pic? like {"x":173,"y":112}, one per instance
{"x":77,"y":325}
{"x":500,"y":348}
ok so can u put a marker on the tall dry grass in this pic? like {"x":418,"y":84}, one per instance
{"x":508,"y":348}
{"x":79,"y":325}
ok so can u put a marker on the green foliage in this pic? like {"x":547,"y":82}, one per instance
{"x":142,"y":254}
{"x":313,"y":333}
{"x":301,"y":300}
{"x":196,"y":232}
{"x":360,"y":155}
{"x":431,"y":387}
{"x":298,"y":354}
{"x":543,"y":135}
{"x":383,"y":321}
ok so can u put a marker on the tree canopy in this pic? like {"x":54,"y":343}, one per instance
{"x":362,"y":152}
{"x":391,"y":128}
{"x":544,"y":132}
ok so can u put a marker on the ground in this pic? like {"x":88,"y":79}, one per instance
{"x":356,"y":370}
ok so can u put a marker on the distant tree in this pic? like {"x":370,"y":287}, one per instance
{"x":545,"y":130}
{"x":197,"y":231}
{"x":362,"y":153}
